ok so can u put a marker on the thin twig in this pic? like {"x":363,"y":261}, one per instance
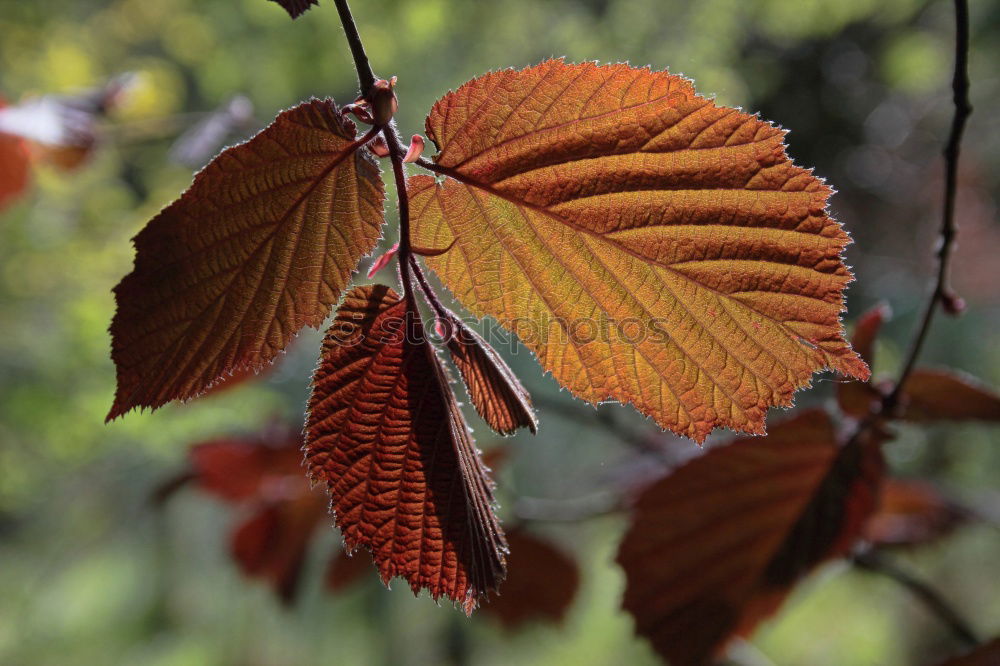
{"x":963,"y":109}
{"x":366,"y":78}
{"x":932,"y":599}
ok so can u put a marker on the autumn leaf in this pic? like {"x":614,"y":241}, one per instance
{"x":385,"y":435}
{"x":649,"y":246}
{"x":296,"y":8}
{"x":14,"y":167}
{"x":495,"y":391}
{"x":716,"y":546}
{"x":541,"y":583}
{"x":261,"y":245}
{"x":857,"y":397}
{"x":262,"y":475}
{"x":912,"y":513}
{"x":987,"y":654}
{"x":948,"y":395}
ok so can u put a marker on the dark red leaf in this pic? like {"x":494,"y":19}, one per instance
{"x":716,"y":546}
{"x":984,"y":655}
{"x":856,"y":398}
{"x":912,"y":513}
{"x":237,"y":469}
{"x":540,"y":586}
{"x":295,"y":8}
{"x":14,"y":166}
{"x":495,"y":391}
{"x":948,"y":395}
{"x":261,"y":245}
{"x":345,"y":570}
{"x":272,"y":544}
{"x":385,"y":434}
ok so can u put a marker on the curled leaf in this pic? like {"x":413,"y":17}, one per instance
{"x":386,"y":437}
{"x":261,"y":245}
{"x":716,"y":546}
{"x":649,"y":246}
{"x":494,"y":389}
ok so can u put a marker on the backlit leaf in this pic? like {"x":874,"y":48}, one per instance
{"x":716,"y":546}
{"x":649,"y":246}
{"x":386,"y":436}
{"x":496,"y":392}
{"x":948,"y":395}
{"x":261,"y":245}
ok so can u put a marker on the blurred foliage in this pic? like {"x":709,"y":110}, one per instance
{"x":93,"y":574}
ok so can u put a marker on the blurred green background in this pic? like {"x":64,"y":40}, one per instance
{"x":92,"y":573}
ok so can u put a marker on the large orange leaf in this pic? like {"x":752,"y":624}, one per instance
{"x":262,"y":244}
{"x":386,"y":436}
{"x":716,"y":545}
{"x":648,"y":245}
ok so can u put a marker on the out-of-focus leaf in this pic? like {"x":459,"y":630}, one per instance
{"x":857,"y":397}
{"x":272,"y":544}
{"x":385,"y":434}
{"x":346,"y":569}
{"x":987,"y":654}
{"x":496,"y":392}
{"x":261,"y":245}
{"x":541,"y":583}
{"x":649,"y":246}
{"x":948,"y":395}
{"x":202,"y":141}
{"x":295,"y":8}
{"x":238,"y":469}
{"x":14,"y":166}
{"x":716,"y":546}
{"x":911,"y":513}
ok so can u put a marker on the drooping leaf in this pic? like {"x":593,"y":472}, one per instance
{"x":495,"y":391}
{"x":272,"y":544}
{"x":296,"y":8}
{"x":648,"y":245}
{"x":912,"y":513}
{"x":263,"y":476}
{"x":385,"y":434}
{"x":715,"y":546}
{"x":541,"y":584}
{"x":948,"y":395}
{"x":987,"y":654}
{"x":261,"y":245}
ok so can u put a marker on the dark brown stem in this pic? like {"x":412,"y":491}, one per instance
{"x":963,"y":109}
{"x":932,"y":599}
{"x":405,"y":251}
{"x":366,"y":78}
{"x":439,"y":309}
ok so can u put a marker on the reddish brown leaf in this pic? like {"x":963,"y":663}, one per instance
{"x":540,"y":586}
{"x":262,"y":244}
{"x":14,"y":167}
{"x":272,"y":544}
{"x":856,"y":398}
{"x":296,"y":8}
{"x":346,"y":569}
{"x":495,"y":391}
{"x":984,"y":655}
{"x":948,"y":395}
{"x":715,"y":546}
{"x":911,"y":513}
{"x":386,"y":436}
{"x":649,"y":246}
{"x":238,"y":469}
